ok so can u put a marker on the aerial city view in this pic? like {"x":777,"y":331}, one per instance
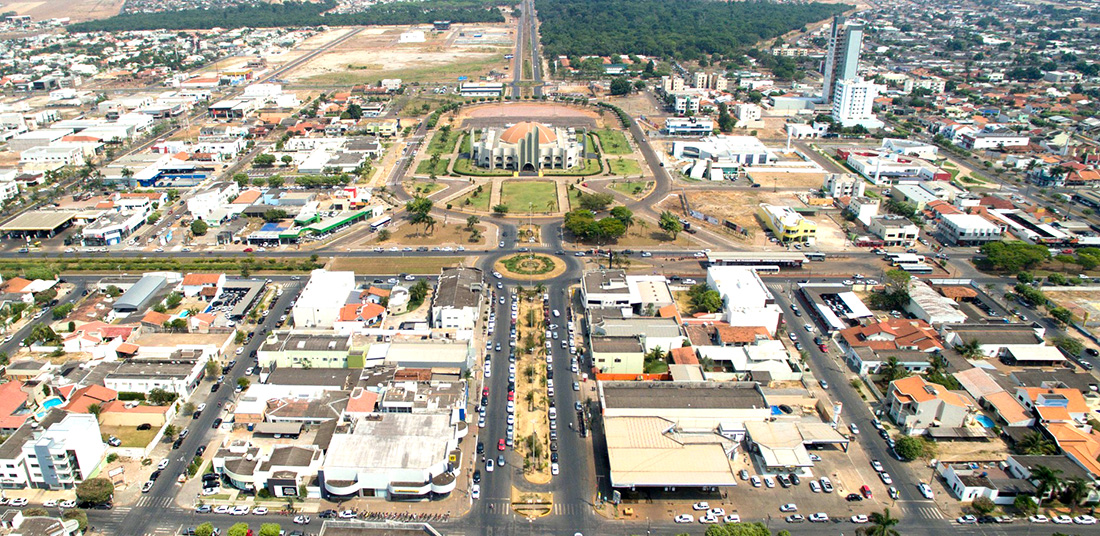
{"x":549,"y":267}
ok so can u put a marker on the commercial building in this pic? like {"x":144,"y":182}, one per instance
{"x":179,"y":374}
{"x":482,"y":89}
{"x":324,"y":295}
{"x":528,"y":146}
{"x":894,"y":231}
{"x":725,"y":151}
{"x":618,"y":355}
{"x":967,"y":230}
{"x":457,"y":356}
{"x":994,"y":339}
{"x":138,"y":296}
{"x":787,"y":225}
{"x":993,"y":140}
{"x":905,"y":147}
{"x":112,"y":228}
{"x":395,"y":456}
{"x":931,"y":306}
{"x":456,"y":303}
{"x":689,"y":126}
{"x":297,"y":349}
{"x":57,"y":453}
{"x":746,"y":299}
{"x":842,"y":58}
{"x":282,"y":469}
{"x":207,"y":202}
{"x":853,"y":103}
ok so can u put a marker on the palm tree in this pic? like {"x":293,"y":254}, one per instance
{"x":882,"y":524}
{"x":1034,"y":443}
{"x":970,"y":349}
{"x":540,"y":288}
{"x":429,"y":224}
{"x":1048,"y":479}
{"x":1077,"y":490}
{"x":892,"y":369}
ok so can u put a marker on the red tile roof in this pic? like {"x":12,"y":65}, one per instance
{"x":194,"y":280}
{"x":893,"y":334}
{"x":86,"y":396}
{"x":684,"y":356}
{"x":12,"y":397}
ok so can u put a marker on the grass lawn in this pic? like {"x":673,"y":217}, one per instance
{"x":468,"y":142}
{"x":441,"y":145}
{"x":520,"y":195}
{"x":592,"y":166}
{"x":426,"y":187}
{"x":631,"y":188}
{"x":613,"y":141}
{"x":395,"y":265}
{"x":589,"y":145}
{"x":425,"y":167}
{"x":622,"y":166}
{"x":476,"y":201}
{"x":129,"y":435}
{"x":465,"y":166}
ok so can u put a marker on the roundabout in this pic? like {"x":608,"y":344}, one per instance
{"x":530,"y":266}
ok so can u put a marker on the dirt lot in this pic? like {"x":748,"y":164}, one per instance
{"x":379,"y":52}
{"x":77,"y":10}
{"x":452,"y":234}
{"x":527,"y":111}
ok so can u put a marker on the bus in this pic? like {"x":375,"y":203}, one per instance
{"x":898,"y":259}
{"x":916,"y":268}
{"x":766,"y":269}
{"x":815,"y":256}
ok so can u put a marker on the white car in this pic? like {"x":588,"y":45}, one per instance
{"x":163,"y":463}
{"x":877,"y":466}
{"x":1039,"y":518}
{"x":67,"y":504}
{"x":259,"y":511}
{"x":716,"y":512}
{"x":241,"y":510}
{"x":925,"y":490}
{"x":966,"y":520}
{"x":554,"y":469}
{"x":489,"y":466}
{"x":886,"y":478}
{"x":301,"y":520}
{"x":732,"y":518}
{"x":789,"y":507}
{"x":1062,"y":519}
{"x":815,"y":487}
{"x":769,"y":482}
{"x":221,"y":509}
{"x":475,"y":491}
{"x":809,"y":327}
{"x":756,"y":482}
{"x":205,"y":491}
{"x":859,"y":519}
{"x":1084,"y":519}
{"x":347,"y":514}
{"x":820,"y":517}
{"x":685,"y":518}
{"x":854,"y":429}
{"x":708,"y":520}
{"x":50,"y":503}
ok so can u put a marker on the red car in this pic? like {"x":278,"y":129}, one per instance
{"x":500,"y":445}
{"x":248,"y":250}
{"x":485,"y":391}
{"x":866,"y":491}
{"x":511,"y":396}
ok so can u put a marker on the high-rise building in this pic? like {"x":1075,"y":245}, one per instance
{"x":853,"y":103}
{"x":842,"y":60}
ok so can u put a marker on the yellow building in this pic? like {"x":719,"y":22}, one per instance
{"x":786,"y":224}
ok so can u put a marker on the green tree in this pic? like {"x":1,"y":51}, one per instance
{"x":882,"y":524}
{"x":594,"y":202}
{"x":211,"y":368}
{"x":704,"y":299}
{"x":243,"y":383}
{"x":238,"y":529}
{"x":270,"y":529}
{"x":1062,"y":315}
{"x":160,"y":397}
{"x":500,"y":209}
{"x":611,"y":228}
{"x":95,"y":491}
{"x":670,"y":224}
{"x":1076,"y":490}
{"x":1025,"y":504}
{"x":909,"y":447}
{"x":206,"y":529}
{"x":471,"y":222}
{"x":1013,"y":255}
{"x":621,"y":86}
{"x":174,"y":299}
{"x":624,"y":215}
{"x":264,"y":160}
{"x":199,"y":227}
{"x":80,"y":516}
{"x":725,"y":120}
{"x":286,"y":159}
{"x":95,"y":409}
{"x":983,"y":505}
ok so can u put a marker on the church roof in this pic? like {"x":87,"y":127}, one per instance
{"x":519,"y":131}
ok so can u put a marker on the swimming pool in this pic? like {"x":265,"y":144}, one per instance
{"x":47,"y":405}
{"x":986,"y":422}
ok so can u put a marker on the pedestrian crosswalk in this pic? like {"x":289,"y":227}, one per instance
{"x":925,"y":510}
{"x":568,"y":509}
{"x":154,"y":502}
{"x":496,"y":507}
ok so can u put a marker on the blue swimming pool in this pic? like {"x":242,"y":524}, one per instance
{"x":51,"y":402}
{"x":986,"y":421}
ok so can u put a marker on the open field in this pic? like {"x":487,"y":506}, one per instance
{"x":129,"y":435}
{"x":397,"y":265}
{"x":524,"y":195}
{"x":77,"y":10}
{"x":476,"y":201}
{"x":801,"y":181}
{"x":424,"y":188}
{"x":613,"y":141}
{"x":424,"y":167}
{"x":623,"y":166}
{"x":454,"y":233}
{"x":635,"y":189}
{"x":379,"y":53}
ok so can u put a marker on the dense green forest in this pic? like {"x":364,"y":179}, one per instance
{"x":684,"y":29}
{"x":266,"y":15}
